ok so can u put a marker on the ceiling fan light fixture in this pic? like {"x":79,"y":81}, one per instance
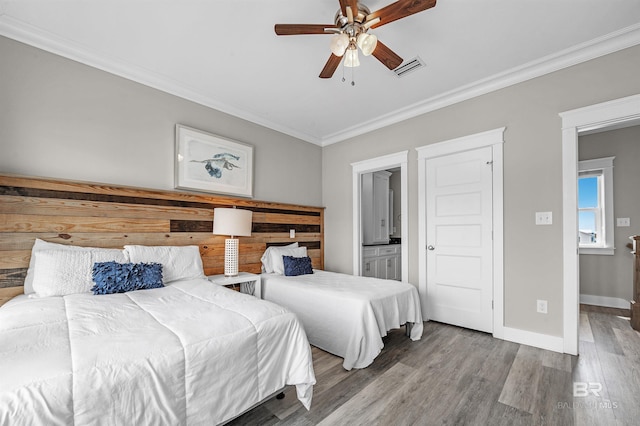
{"x":351,"y":58}
{"x":339,"y":44}
{"x":354,"y":27}
{"x":367,"y":43}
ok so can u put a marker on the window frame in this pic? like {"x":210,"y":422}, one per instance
{"x":603,"y":169}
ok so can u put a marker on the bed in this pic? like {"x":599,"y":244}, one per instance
{"x":188,"y":352}
{"x":342,"y":314}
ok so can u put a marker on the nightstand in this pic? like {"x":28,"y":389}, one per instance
{"x":244,"y":279}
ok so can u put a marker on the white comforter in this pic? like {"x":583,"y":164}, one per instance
{"x":190,"y":353}
{"x":345,"y":314}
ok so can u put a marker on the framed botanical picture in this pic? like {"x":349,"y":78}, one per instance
{"x":207,"y":162}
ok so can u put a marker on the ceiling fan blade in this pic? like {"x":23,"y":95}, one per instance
{"x":387,"y":56}
{"x":352,"y":3}
{"x":297,"y":29}
{"x":331,"y":66}
{"x":398,"y":10}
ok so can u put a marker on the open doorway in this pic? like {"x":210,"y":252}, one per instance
{"x":621,"y":112}
{"x":396,"y":165}
{"x":381,"y":213}
{"x":608,"y":214}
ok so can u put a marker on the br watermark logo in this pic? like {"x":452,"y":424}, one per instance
{"x":584,"y":390}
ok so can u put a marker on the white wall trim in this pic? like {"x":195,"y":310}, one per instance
{"x":595,"y":164}
{"x":599,"y":251}
{"x":542,"y":341}
{"x":498,"y":237}
{"x":422,"y":232}
{"x":602,"y":115}
{"x":464,"y":143}
{"x":380,"y":163}
{"x":384,"y":162}
{"x":585,"y":119}
{"x":609,"y":302}
{"x":495,"y":139}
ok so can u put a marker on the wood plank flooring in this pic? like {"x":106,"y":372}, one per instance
{"x":455,"y":376}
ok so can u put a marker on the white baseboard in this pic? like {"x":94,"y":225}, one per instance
{"x":529,"y":338}
{"x":609,"y":302}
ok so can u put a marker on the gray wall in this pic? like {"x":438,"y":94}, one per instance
{"x":532,"y":175}
{"x":62,"y":119}
{"x":611,"y":276}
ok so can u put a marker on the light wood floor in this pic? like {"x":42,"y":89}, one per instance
{"x":455,"y":376}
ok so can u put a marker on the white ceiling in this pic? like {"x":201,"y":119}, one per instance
{"x":225,"y":54}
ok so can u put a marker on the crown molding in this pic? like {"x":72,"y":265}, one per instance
{"x":610,"y":43}
{"x":25,"y":33}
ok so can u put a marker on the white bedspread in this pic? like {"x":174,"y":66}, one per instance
{"x":190,"y":353}
{"x":345,"y":314}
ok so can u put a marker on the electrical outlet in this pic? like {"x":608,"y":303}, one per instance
{"x":544,"y":218}
{"x":541,"y":306}
{"x":292,"y":233}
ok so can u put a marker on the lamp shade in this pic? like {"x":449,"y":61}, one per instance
{"x":367,"y":43}
{"x":351,"y":58}
{"x":233,"y":222}
{"x":339,"y":44}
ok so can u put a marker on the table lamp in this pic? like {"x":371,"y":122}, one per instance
{"x":235,"y":223}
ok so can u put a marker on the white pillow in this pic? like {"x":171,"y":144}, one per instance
{"x":275,"y":257}
{"x":40,"y":245}
{"x":267,"y":264}
{"x":62,"y":272}
{"x":178,"y":263}
{"x":278,"y":262}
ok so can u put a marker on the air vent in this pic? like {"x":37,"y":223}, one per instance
{"x":410,"y":66}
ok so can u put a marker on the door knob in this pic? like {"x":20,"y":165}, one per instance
{"x":430,"y":247}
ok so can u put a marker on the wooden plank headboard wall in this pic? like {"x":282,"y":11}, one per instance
{"x":100,"y":215}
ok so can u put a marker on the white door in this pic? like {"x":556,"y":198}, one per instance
{"x":459,"y":218}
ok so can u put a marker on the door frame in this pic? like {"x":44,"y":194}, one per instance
{"x":384,"y":162}
{"x":495,"y":139}
{"x":599,"y":116}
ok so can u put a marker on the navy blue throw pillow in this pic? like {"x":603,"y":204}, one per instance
{"x":296,"y":265}
{"x":114,"y":277}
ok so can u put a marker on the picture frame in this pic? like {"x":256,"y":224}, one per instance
{"x":212,"y":163}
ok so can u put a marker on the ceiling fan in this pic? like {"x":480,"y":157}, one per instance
{"x":352,"y":23}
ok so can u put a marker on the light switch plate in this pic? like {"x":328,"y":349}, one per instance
{"x":544,"y":218}
{"x":623,"y":221}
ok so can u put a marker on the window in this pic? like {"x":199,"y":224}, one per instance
{"x":595,"y":206}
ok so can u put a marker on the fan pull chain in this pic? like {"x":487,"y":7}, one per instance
{"x":353,"y":83}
